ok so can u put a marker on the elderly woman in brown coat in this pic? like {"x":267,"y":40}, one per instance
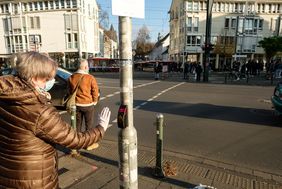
{"x":30,"y":126}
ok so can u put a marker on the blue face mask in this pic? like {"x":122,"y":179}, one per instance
{"x":49,"y":85}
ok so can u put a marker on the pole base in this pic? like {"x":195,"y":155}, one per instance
{"x":158,"y":172}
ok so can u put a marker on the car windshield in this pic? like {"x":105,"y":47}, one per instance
{"x":63,"y":73}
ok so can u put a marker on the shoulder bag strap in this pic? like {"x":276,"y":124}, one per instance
{"x":77,"y":85}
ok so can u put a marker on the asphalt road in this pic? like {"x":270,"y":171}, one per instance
{"x":233,"y":124}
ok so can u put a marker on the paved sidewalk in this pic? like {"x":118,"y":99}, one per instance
{"x":99,"y":169}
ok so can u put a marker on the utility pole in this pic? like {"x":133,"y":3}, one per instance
{"x":127,"y":136}
{"x":207,"y":40}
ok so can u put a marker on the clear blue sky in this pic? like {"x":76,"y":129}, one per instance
{"x":156,"y":17}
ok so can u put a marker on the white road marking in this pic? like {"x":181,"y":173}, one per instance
{"x":118,"y":92}
{"x":156,"y":96}
{"x":142,"y":104}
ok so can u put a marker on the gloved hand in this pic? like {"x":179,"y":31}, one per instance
{"x":104,"y":118}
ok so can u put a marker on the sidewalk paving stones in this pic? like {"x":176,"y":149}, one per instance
{"x":99,"y":169}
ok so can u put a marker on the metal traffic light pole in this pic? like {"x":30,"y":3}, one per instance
{"x":127,"y":136}
{"x":207,"y":40}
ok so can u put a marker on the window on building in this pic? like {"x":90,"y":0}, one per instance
{"x":249,"y":26}
{"x":16,"y":24}
{"x":189,"y":6}
{"x":260,"y":27}
{"x":226,"y":7}
{"x":196,"y":6}
{"x":16,"y":10}
{"x":8,"y":42}
{"x":51,"y":5}
{"x":34,"y":22}
{"x":259,"y":7}
{"x":241,"y":7}
{"x":189,"y":24}
{"x":222,"y":7}
{"x":255,"y":25}
{"x":236,"y":8}
{"x":227,"y":22}
{"x":74,"y":22}
{"x":75,"y":37}
{"x":240,"y":25}
{"x":263,"y":8}
{"x":62,"y":2}
{"x":269,"y":8}
{"x":57,"y":4}
{"x":46,"y":5}
{"x":40,"y":5}
{"x":74,"y":5}
{"x":69,"y":44}
{"x":196,"y":24}
{"x":204,"y":5}
{"x":35,"y":5}
{"x":67,"y":22}
{"x":7,"y":25}
{"x":193,"y":40}
{"x":30,"y":6}
{"x":233,"y":23}
{"x":24,"y":25}
{"x":68,"y":4}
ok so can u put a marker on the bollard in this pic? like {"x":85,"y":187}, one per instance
{"x":73,"y":124}
{"x":225,"y":77}
{"x":158,"y":172}
{"x":73,"y":116}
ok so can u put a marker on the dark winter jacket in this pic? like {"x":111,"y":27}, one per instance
{"x":29,"y":128}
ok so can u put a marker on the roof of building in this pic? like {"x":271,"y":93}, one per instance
{"x":159,"y":42}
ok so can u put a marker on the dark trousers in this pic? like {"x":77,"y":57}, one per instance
{"x":86,"y":113}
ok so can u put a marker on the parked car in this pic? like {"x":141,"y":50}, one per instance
{"x":276,"y":99}
{"x":59,"y":89}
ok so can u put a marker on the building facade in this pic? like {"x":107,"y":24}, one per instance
{"x":66,"y":29}
{"x":110,"y":43}
{"x":160,"y":50}
{"x":237,"y":27}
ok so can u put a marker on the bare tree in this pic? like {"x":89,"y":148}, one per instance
{"x":143,"y":43}
{"x":103,"y":17}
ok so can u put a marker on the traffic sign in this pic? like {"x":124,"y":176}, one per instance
{"x":130,"y":8}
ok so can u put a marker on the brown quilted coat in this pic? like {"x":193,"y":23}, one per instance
{"x":29,"y":127}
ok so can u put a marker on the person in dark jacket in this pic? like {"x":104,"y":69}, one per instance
{"x":31,"y":126}
{"x":199,"y":71}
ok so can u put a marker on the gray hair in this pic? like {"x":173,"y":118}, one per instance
{"x":35,"y":65}
{"x":82,"y":64}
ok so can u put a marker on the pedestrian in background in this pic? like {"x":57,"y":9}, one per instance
{"x":157,"y":70}
{"x":86,"y":96}
{"x":199,"y":71}
{"x":31,"y":126}
{"x":186,"y":70}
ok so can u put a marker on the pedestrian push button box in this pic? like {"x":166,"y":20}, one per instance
{"x":122,"y":117}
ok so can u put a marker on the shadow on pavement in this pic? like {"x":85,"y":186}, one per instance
{"x":144,"y":171}
{"x":209,"y":111}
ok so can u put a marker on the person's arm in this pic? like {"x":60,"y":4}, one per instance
{"x":52,"y":128}
{"x":94,"y":90}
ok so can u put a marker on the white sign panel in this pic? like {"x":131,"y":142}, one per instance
{"x":131,"y":8}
